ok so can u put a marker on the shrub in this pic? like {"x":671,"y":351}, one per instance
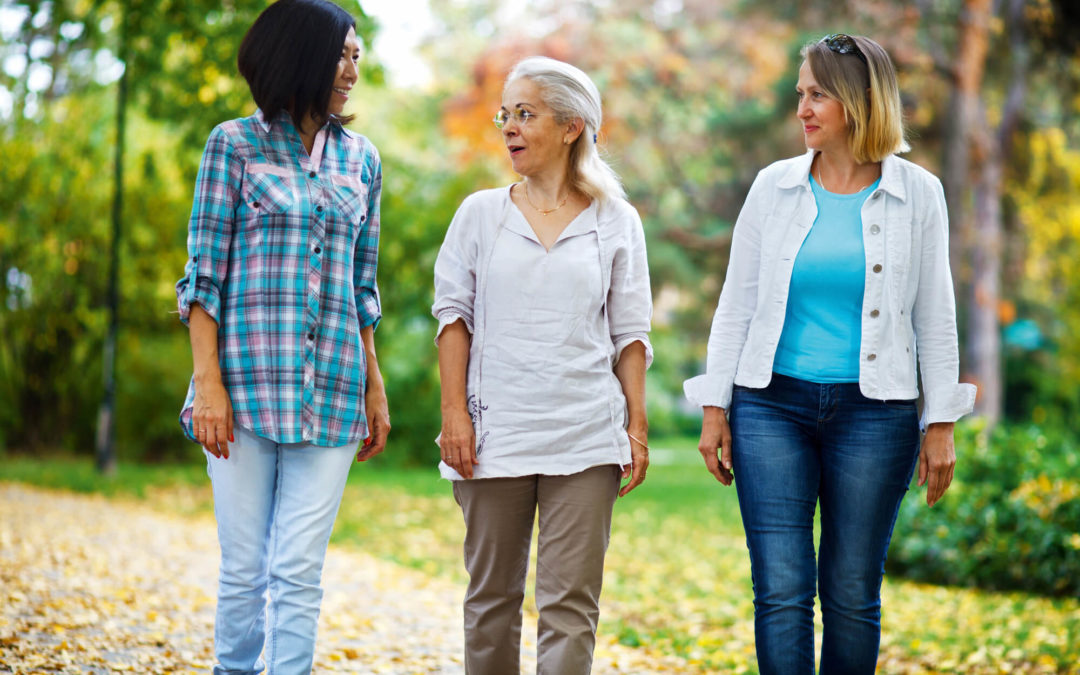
{"x":1011,"y":519}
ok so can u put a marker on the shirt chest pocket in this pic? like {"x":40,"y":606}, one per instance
{"x":267,"y":189}
{"x":350,"y":200}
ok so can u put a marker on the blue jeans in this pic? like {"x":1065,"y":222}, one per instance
{"x":275,"y":505}
{"x":797,"y":444}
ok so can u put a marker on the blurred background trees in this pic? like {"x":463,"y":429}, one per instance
{"x":698,"y":97}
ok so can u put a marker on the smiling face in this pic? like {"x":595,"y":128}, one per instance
{"x":823,"y":121}
{"x":539,"y":144}
{"x":347,"y":73}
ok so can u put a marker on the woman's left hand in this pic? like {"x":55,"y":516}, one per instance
{"x":937,"y":459}
{"x":378,"y":419}
{"x":639,"y":458}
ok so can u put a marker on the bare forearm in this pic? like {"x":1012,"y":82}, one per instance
{"x":630,"y":370}
{"x":453,"y":364}
{"x":204,"y":346}
{"x":374,"y":375}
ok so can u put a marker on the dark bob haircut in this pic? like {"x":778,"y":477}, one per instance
{"x":289,"y":57}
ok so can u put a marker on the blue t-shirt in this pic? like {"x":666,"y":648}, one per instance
{"x":822,"y":331}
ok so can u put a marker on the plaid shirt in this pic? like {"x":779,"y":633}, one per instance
{"x":282,"y":253}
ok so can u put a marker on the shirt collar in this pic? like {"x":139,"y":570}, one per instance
{"x":798,"y":175}
{"x":283,"y":116}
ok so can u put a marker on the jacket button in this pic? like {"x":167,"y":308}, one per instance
{"x":877,"y":268}
{"x":871,"y":357}
{"x":874,"y":313}
{"x":874,"y":229}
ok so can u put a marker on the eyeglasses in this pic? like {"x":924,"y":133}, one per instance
{"x":844,"y":44}
{"x":520,"y":115}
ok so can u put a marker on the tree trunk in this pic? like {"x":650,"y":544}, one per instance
{"x":974,"y":150}
{"x":984,"y":334}
{"x":104,"y":450}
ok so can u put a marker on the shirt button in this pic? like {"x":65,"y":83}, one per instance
{"x":318,"y":250}
{"x":877,"y":268}
{"x":363,"y":218}
{"x":318,"y":209}
{"x":874,"y":313}
{"x":255,"y":205}
{"x":195,"y":258}
{"x":871,"y":357}
{"x":311,"y":336}
{"x":874,"y":229}
{"x":311,"y":175}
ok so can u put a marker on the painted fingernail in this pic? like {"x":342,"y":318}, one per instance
{"x":231,"y":439}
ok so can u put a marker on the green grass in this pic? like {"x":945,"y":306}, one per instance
{"x":78,"y":475}
{"x":677,"y":578}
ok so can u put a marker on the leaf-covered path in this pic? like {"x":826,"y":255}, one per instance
{"x":91,"y":585}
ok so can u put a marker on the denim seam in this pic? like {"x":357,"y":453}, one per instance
{"x":271,"y":665}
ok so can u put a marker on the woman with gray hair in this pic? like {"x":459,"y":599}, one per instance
{"x":542,"y":296}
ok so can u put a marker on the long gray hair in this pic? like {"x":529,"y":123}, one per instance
{"x":571,"y":94}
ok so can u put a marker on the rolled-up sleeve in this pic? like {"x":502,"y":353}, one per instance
{"x":734,"y":311}
{"x":210,"y":229}
{"x":630,"y":296}
{"x":455,"y":271}
{"x":945,"y":399}
{"x":366,"y":255}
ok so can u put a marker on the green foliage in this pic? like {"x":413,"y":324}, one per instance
{"x":1011,"y":519}
{"x":421,"y":192}
{"x":55,"y":200}
{"x":54,"y":232}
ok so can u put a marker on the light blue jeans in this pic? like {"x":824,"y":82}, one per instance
{"x":275,"y":506}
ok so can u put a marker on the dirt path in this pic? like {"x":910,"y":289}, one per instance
{"x":89,"y":585}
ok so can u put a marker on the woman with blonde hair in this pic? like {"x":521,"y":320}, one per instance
{"x":838,"y":284}
{"x":542,"y":296}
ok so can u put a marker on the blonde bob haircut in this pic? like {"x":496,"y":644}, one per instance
{"x":572,"y":95}
{"x":869,"y":93}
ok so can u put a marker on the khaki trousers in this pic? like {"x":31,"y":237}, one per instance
{"x":575,"y":524}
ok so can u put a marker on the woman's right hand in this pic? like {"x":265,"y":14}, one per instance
{"x":212,"y":417}
{"x":458,"y":441}
{"x":715,"y":434}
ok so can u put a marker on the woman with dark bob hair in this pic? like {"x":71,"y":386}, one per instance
{"x":280,"y":297}
{"x":838,"y":286}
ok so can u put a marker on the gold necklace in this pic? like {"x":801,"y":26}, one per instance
{"x":542,"y":211}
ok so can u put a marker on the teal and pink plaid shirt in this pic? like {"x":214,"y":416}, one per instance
{"x":282,"y":253}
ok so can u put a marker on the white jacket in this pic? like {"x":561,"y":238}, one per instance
{"x":907,"y":302}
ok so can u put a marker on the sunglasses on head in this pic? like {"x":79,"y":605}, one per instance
{"x":840,"y":43}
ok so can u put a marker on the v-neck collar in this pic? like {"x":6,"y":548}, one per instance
{"x":583,"y":223}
